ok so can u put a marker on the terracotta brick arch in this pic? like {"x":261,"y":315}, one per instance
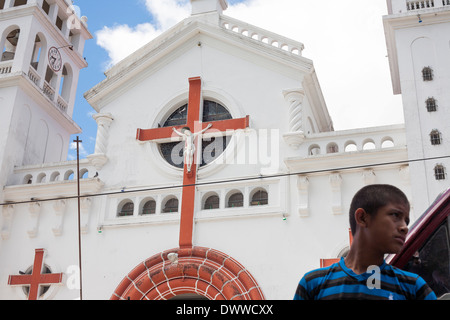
{"x":202,"y":271}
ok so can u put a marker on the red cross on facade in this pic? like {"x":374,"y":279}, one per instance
{"x":196,"y":127}
{"x":36,"y":279}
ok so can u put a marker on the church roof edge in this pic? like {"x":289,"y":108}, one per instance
{"x":230,"y":28}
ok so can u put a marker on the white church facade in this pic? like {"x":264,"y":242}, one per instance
{"x":217,"y":172}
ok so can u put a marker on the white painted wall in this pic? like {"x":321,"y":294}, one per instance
{"x":307,"y":215}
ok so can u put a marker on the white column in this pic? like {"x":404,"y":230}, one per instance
{"x":294,"y":98}
{"x":103,"y":121}
{"x":99,"y":158}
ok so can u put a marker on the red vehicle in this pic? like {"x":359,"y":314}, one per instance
{"x":427,"y":248}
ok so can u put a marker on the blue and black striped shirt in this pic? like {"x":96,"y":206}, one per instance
{"x":337,"y":282}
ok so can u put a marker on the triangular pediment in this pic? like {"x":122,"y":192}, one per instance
{"x":243,"y":37}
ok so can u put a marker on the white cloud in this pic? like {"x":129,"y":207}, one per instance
{"x":168,"y":12}
{"x":73,"y":147}
{"x":344,"y":38}
{"x":121,"y":40}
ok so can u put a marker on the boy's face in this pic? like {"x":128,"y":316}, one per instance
{"x":389,"y":227}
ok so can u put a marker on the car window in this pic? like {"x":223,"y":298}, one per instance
{"x":432,"y":261}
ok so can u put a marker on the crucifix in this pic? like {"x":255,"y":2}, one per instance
{"x":191,"y":134}
{"x":36,"y":278}
{"x":189,"y":145}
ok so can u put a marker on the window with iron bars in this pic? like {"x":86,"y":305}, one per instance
{"x":436,"y":138}
{"x":440,"y":172}
{"x":427,"y":74}
{"x":431,"y":105}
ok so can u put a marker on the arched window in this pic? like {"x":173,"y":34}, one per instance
{"x":212,"y":202}
{"x":350,"y":147}
{"x":236,"y":200}
{"x":126,"y":209}
{"x":66,"y":83}
{"x":84,"y":173}
{"x":55,"y":176}
{"x":28,"y":179}
{"x":440,"y":172}
{"x":51,"y":77}
{"x":69,"y":175}
{"x":260,"y":198}
{"x":369,"y":145}
{"x":387,"y":143}
{"x":332,"y":148}
{"x":149,"y":207}
{"x":171,"y":205}
{"x":314,"y":150}
{"x":10,"y":45}
{"x":427,"y":74}
{"x":435,"y":137}
{"x":42,"y":177}
{"x":37,"y":50}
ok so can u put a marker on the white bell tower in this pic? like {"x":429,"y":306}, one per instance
{"x":42,"y":43}
{"x":418,"y":39}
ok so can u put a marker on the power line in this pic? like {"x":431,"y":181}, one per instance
{"x":260,"y":177}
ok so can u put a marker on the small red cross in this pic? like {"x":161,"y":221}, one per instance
{"x":195,"y":124}
{"x":35,"y":279}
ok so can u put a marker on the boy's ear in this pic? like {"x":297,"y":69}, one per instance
{"x":361,"y":217}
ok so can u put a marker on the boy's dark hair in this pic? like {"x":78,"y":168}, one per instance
{"x":373,"y":197}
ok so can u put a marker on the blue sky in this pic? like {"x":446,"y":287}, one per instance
{"x":100,"y":13}
{"x":345,"y":39}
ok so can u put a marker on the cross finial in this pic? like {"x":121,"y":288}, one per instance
{"x":206,"y":6}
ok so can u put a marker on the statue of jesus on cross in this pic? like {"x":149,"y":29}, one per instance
{"x":189,"y":144}
{"x":192,"y":129}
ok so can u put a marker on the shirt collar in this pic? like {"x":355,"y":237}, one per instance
{"x":359,"y":277}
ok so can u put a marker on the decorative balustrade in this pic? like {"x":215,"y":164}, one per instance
{"x":423,"y":4}
{"x":403,"y":6}
{"x":357,"y":140}
{"x":48,"y":91}
{"x":62,"y":104}
{"x":51,"y":173}
{"x":5,"y":67}
{"x":426,"y":4}
{"x":34,"y":76}
{"x":261,"y":35}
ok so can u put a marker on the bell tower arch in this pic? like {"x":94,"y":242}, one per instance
{"x":41,"y":55}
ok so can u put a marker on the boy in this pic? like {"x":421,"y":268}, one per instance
{"x":379,"y":218}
